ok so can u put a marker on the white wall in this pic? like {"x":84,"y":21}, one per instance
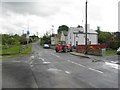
{"x":93,"y":37}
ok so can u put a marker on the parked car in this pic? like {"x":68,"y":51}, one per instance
{"x":118,"y":51}
{"x":46,"y":46}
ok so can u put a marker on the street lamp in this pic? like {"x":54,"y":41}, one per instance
{"x":86,"y":28}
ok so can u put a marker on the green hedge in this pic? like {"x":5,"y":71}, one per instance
{"x":115,"y":44}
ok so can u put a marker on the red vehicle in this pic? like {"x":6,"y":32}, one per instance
{"x":63,"y":47}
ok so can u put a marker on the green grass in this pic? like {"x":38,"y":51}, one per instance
{"x":16,"y":51}
{"x":11,"y":51}
{"x":111,"y":52}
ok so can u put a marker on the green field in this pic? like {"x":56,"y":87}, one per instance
{"x":16,"y":51}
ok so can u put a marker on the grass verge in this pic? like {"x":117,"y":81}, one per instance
{"x":111,"y":52}
{"x":16,"y":51}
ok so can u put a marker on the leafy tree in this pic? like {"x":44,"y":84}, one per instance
{"x":98,"y":30}
{"x":104,"y":37}
{"x":114,"y":44}
{"x":45,"y":39}
{"x":62,"y":28}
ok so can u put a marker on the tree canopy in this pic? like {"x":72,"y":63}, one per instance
{"x":62,"y":28}
{"x":103,"y":37}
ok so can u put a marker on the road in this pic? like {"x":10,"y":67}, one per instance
{"x":45,"y":68}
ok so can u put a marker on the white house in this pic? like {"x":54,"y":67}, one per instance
{"x":76,"y":36}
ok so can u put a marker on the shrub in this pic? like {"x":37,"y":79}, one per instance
{"x":114,"y":44}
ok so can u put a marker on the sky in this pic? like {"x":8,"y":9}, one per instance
{"x":44,"y":15}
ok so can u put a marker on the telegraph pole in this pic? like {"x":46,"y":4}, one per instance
{"x":86,"y":28}
{"x":52,"y":29}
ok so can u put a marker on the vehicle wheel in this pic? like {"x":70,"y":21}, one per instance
{"x":118,"y":53}
{"x":65,"y":50}
{"x":56,"y":50}
{"x":71,"y":50}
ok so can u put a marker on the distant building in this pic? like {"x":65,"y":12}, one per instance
{"x":76,"y":36}
{"x":54,"y":39}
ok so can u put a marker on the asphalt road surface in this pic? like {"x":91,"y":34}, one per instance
{"x":45,"y":68}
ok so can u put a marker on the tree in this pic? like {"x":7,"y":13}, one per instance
{"x":62,"y":28}
{"x":45,"y":39}
{"x":104,"y":37}
{"x":98,"y":30}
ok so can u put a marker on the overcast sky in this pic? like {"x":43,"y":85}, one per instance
{"x":40,"y":15}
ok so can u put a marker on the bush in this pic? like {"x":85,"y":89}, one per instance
{"x":114,"y":44}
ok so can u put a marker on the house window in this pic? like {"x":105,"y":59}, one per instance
{"x":76,"y":35}
{"x":76,"y":43}
{"x":70,"y":35}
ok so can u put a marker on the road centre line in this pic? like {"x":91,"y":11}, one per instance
{"x":55,"y":55}
{"x":76,"y":63}
{"x":85,"y":66}
{"x":95,"y":70}
{"x":67,"y":72}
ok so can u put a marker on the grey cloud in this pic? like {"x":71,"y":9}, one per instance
{"x":36,"y":8}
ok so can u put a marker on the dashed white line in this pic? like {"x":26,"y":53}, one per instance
{"x":46,"y":62}
{"x":85,"y":66}
{"x":77,"y":63}
{"x":95,"y":70}
{"x":54,"y":69}
{"x":67,"y":72}
{"x":55,"y":55}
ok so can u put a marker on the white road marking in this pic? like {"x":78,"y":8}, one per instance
{"x":42,"y":59}
{"x":55,"y":55}
{"x":67,"y":72}
{"x":77,"y":63}
{"x":32,"y":57}
{"x":114,"y":62}
{"x":54,"y":69}
{"x":95,"y":70}
{"x":115,"y":66}
{"x":46,"y":62}
{"x":85,"y":66}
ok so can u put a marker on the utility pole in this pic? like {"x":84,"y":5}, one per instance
{"x":52,"y":29}
{"x":86,"y":28}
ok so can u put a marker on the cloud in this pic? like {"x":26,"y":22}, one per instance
{"x":42,"y":8}
{"x":34,"y":8}
{"x":42,"y":14}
